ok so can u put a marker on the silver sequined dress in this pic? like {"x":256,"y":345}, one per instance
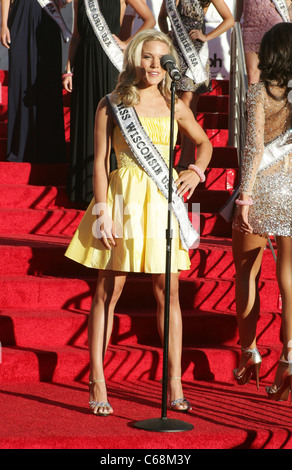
{"x":270,"y":188}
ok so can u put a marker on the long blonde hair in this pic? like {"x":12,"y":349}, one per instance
{"x":126,"y":89}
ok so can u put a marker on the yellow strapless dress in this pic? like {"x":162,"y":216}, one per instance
{"x":139,"y":211}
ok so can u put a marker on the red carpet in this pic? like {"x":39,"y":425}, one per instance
{"x":44,"y":302}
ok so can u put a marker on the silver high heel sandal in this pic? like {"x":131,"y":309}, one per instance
{"x":282,"y":393}
{"x":251,"y":367}
{"x":103,"y":408}
{"x":182,"y":402}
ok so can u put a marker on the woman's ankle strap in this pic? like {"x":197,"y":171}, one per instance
{"x":95,"y":381}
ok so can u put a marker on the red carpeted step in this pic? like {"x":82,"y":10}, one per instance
{"x":3,"y":148}
{"x":37,"y":221}
{"x":56,"y":175}
{"x":219,"y":87}
{"x":30,"y":327}
{"x":3,"y":130}
{"x":220,"y":179}
{"x":59,"y":364}
{"x":209,"y":201}
{"x":4,"y":103}
{"x":39,"y":328}
{"x":213,"y":120}
{"x":218,"y":137}
{"x":37,"y":256}
{"x":213,"y":103}
{"x":32,"y":292}
{"x":4,"y":77}
{"x":224,"y":157}
{"x":33,"y":197}
{"x":33,"y":174}
{"x":65,"y":221}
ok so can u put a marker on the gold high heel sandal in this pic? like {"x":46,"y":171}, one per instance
{"x":250,"y":368}
{"x":282,"y":393}
{"x":102,"y":408}
{"x":179,"y":402}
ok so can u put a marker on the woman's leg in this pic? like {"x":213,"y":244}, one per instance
{"x":188,"y":149}
{"x":284,"y":277}
{"x":108,"y":290}
{"x":247,"y":253}
{"x":253,"y":73}
{"x":175,"y":332}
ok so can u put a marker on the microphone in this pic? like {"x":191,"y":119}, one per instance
{"x":167,"y":62}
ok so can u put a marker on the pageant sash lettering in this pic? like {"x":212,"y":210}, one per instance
{"x":196,"y":60}
{"x":276,"y":150}
{"x":149,"y":158}
{"x":281,"y":7}
{"x":53,"y":11}
{"x":103,"y":33}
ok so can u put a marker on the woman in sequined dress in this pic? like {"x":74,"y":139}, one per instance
{"x":264,"y":205}
{"x":192,"y":13}
{"x":258,"y":17}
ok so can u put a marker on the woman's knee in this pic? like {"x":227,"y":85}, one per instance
{"x":109,"y":288}
{"x":159,"y":289}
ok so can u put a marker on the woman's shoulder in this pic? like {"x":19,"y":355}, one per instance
{"x":256,"y":87}
{"x":104,"y":107}
{"x":180,"y":107}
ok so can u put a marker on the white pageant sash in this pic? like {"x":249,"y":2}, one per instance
{"x":276,"y":150}
{"x":281,"y":7}
{"x":53,"y":11}
{"x":149,"y":158}
{"x":195,"y":60}
{"x":103,"y":33}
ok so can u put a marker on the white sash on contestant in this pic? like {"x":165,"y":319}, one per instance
{"x":195,"y":60}
{"x":276,"y":150}
{"x":281,"y":7}
{"x":53,"y":11}
{"x":103,"y":33}
{"x":152,"y":162}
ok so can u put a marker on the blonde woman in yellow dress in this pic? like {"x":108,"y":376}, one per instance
{"x":128,"y":232}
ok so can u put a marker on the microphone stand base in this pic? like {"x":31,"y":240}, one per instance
{"x":164,"y":425}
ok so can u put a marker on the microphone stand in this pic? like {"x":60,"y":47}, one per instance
{"x":163,"y":424}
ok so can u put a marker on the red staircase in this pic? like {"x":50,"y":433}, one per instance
{"x":45,"y":297}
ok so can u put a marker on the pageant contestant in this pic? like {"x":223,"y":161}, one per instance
{"x":264,"y":205}
{"x":31,"y":31}
{"x":258,"y":17}
{"x":95,"y":58}
{"x":127,"y":234}
{"x":187,"y":19}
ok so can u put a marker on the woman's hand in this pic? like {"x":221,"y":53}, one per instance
{"x":68,"y":84}
{"x":5,"y":37}
{"x":104,"y":229}
{"x":241,"y":219}
{"x":121,"y":43}
{"x":197,"y":34}
{"x":187,"y":182}
{"x":62,"y":3}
